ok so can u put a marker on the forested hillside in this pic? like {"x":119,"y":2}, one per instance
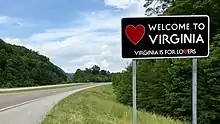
{"x":164,"y":86}
{"x":21,"y":67}
{"x":93,"y":74}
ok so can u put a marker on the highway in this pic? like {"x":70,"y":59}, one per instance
{"x":31,"y":107}
{"x":11,"y":99}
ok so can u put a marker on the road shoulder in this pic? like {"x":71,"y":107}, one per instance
{"x":34,"y":113}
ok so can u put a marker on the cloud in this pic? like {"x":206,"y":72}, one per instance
{"x":14,"y":41}
{"x":121,"y":4}
{"x":94,"y":40}
{"x":6,"y":20}
{"x":53,"y":34}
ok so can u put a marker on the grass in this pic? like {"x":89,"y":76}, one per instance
{"x":98,"y":106}
{"x":44,"y":88}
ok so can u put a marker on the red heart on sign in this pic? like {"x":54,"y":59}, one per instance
{"x":185,"y":51}
{"x":135,"y":34}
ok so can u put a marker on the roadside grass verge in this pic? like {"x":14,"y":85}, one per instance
{"x":37,"y":89}
{"x":98,"y":106}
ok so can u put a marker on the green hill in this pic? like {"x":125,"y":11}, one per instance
{"x":21,"y":67}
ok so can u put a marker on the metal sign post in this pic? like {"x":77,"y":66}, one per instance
{"x":194,"y":90}
{"x":134,"y":116}
{"x":152,"y":38}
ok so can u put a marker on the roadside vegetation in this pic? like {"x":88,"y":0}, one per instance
{"x":21,"y":67}
{"x":93,"y":74}
{"x":164,"y":86}
{"x":99,"y":106}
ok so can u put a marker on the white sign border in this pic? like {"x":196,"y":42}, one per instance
{"x":175,"y":57}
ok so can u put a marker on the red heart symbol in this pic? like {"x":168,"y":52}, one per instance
{"x":185,"y":51}
{"x":135,"y":34}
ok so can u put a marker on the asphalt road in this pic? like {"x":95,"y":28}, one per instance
{"x":35,"y":111}
{"x":11,"y":99}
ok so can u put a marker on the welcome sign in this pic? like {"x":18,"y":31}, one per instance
{"x":165,"y":37}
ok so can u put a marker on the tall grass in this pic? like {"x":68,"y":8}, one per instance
{"x":98,"y":106}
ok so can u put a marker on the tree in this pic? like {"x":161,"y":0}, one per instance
{"x":103,"y":72}
{"x":21,"y":67}
{"x":95,"y":69}
{"x":93,"y":74}
{"x":164,"y":86}
{"x":157,"y":7}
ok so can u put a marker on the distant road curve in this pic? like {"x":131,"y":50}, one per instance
{"x":38,"y":87}
{"x":32,"y":107}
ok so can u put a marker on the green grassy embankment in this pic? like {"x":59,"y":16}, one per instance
{"x":98,"y":106}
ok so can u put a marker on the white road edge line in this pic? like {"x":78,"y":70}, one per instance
{"x":20,"y":104}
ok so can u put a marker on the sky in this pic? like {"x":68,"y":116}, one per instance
{"x":72,"y":33}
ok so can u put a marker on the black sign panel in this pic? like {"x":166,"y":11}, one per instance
{"x":165,"y":37}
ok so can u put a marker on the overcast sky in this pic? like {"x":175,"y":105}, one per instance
{"x":72,"y":33}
